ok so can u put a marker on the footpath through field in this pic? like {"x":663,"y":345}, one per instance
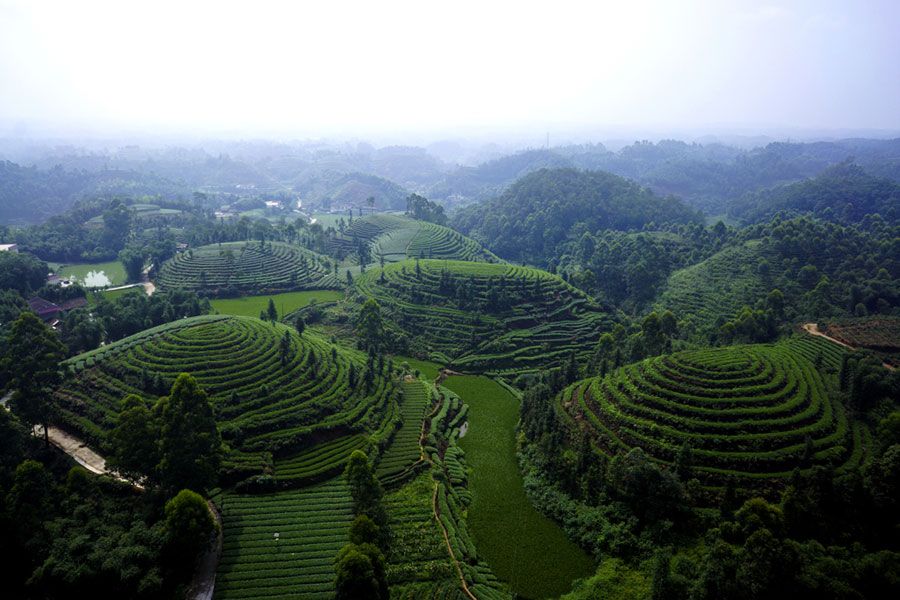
{"x":813,"y":329}
{"x":145,"y":283}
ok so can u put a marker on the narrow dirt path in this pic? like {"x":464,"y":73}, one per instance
{"x":123,"y":287}
{"x":145,"y":283}
{"x":77,"y":449}
{"x":813,"y":329}
{"x":145,"y":279}
{"x":203,"y":585}
{"x":462,"y":579}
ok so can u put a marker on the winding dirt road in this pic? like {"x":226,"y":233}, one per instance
{"x":813,"y":329}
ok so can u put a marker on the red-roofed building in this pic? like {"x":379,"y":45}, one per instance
{"x":48,"y":311}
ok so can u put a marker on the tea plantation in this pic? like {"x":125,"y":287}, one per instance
{"x":397,"y":238}
{"x":485,"y":317}
{"x":311,"y":526}
{"x":748,"y":413}
{"x":274,"y":393}
{"x":242,"y":267}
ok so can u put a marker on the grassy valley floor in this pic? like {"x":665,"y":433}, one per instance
{"x":523,"y":547}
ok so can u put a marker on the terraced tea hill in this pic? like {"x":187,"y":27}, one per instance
{"x":311,"y":525}
{"x":242,"y":267}
{"x":313,"y":400}
{"x":484,"y":317}
{"x":405,"y":450}
{"x":817,"y":350}
{"x":436,"y":241}
{"x":752,"y":412}
{"x":370,"y":228}
{"x":880,"y":334}
{"x":418,"y":563}
{"x":398,"y":238}
{"x":730,"y":276}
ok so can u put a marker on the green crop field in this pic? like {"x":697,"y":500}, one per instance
{"x":311,"y":525}
{"x":250,"y":306}
{"x":236,"y":267}
{"x":418,"y":564}
{"x":302,"y":408}
{"x":484,"y":317}
{"x":95,"y":297}
{"x":523,"y":547}
{"x":405,"y":449}
{"x":752,"y":413}
{"x":731,"y":276}
{"x":96,"y":274}
{"x":397,"y":238}
{"x":429,"y":370}
{"x":435,"y":241}
{"x":328,"y":220}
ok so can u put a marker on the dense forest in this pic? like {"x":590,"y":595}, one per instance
{"x":667,"y":371}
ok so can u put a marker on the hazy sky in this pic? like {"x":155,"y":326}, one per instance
{"x":340,"y":67}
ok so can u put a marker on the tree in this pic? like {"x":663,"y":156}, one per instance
{"x":271,"y":313}
{"x":661,"y":589}
{"x":189,"y":523}
{"x":116,"y":225}
{"x":356,"y":576}
{"x":652,"y":334}
{"x":135,"y":441}
{"x":132,"y":259}
{"x":684,"y":462}
{"x":22,"y":272}
{"x":81,"y":331}
{"x":32,"y":363}
{"x":284,"y":348}
{"x":421,"y":208}
{"x":364,"y":531}
{"x":669,"y":323}
{"x":370,"y":326}
{"x":300,"y":324}
{"x":364,"y":488}
{"x":190,"y":444}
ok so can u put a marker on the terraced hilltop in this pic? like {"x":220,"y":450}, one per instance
{"x":300,"y":402}
{"x":397,"y":238}
{"x":484,"y":317}
{"x":752,"y":413}
{"x":242,"y":267}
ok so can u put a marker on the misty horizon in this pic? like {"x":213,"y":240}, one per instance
{"x":402,"y":72}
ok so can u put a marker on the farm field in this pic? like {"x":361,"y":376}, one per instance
{"x":266,"y":405}
{"x":523,"y":547}
{"x":140,"y":211}
{"x":418,"y":564}
{"x":236,"y":267}
{"x":730,"y":276}
{"x":752,"y":413}
{"x":484,"y":317}
{"x":428,"y":369}
{"x":328,"y":220}
{"x":94,"y":297}
{"x":312,"y":527}
{"x":397,"y":238}
{"x":880,"y":334}
{"x":250,"y":306}
{"x":405,"y":449}
{"x":96,"y":274}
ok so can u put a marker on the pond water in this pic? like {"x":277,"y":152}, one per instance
{"x":95,"y":279}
